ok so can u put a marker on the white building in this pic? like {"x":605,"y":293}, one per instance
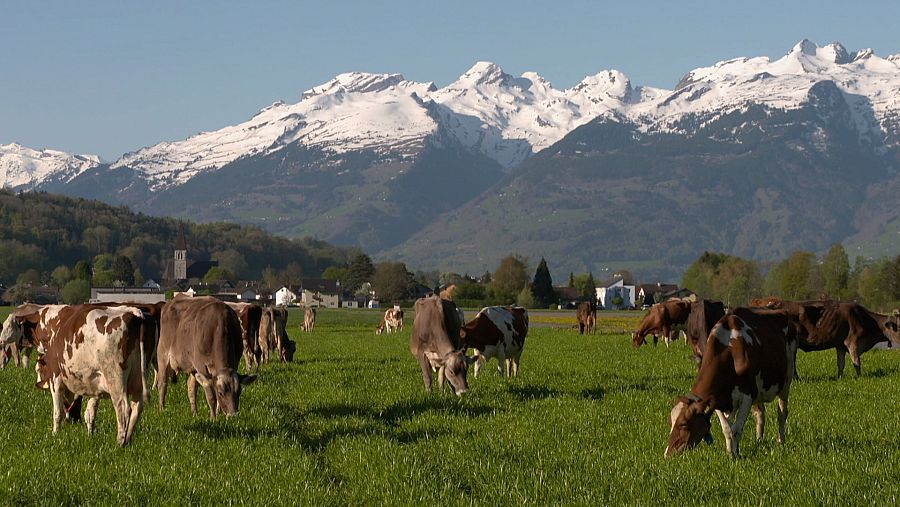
{"x":612,"y":289}
{"x":286,"y":296}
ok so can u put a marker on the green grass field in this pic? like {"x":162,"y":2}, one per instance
{"x":348,"y":423}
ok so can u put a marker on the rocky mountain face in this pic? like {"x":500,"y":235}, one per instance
{"x":751,"y":156}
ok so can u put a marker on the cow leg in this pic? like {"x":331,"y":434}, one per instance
{"x":163,"y":372}
{"x":782,"y":414}
{"x":726,"y":430}
{"x":759,"y":412}
{"x":90,"y":413}
{"x":123,"y":414}
{"x":25,"y":356}
{"x":841,"y":360}
{"x":655,"y":339}
{"x":426,"y":372}
{"x":136,"y":409}
{"x":442,"y":373}
{"x":59,"y":402}
{"x":479,"y":362}
{"x":742,"y":411}
{"x":501,"y":361}
{"x":192,"y":393}
{"x":854,"y":357}
{"x":211,"y":401}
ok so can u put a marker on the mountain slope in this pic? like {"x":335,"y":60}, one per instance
{"x":23,"y":168}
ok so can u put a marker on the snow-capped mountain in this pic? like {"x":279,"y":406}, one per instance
{"x":495,"y":114}
{"x":23,"y":168}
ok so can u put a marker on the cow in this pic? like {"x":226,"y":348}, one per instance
{"x":273,"y":335}
{"x":843,"y":326}
{"x":249,"y":315}
{"x":766,"y":302}
{"x":749,"y":360}
{"x":447,"y":292}
{"x":497,"y":331}
{"x":309,"y":319}
{"x":20,"y":354}
{"x":704,"y":315}
{"x":666,"y":318}
{"x":435,"y":342}
{"x":91,"y":351}
{"x":202,"y":337}
{"x":392,"y":321}
{"x":587,"y":316}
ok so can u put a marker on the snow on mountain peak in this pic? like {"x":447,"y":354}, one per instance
{"x":484,"y":73}
{"x":24,"y":168}
{"x":364,"y":82}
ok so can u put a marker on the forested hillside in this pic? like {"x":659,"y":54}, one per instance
{"x":42,"y":231}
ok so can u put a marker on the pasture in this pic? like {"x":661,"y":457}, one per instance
{"x":348,"y":423}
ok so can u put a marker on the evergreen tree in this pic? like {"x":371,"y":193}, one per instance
{"x":571,"y":283}
{"x":589,"y":291}
{"x":543,"y":286}
{"x":361,"y":270}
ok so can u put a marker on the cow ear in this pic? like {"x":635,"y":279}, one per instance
{"x":246,"y":379}
{"x":462,"y":332}
{"x":739,"y":355}
{"x":202,"y":379}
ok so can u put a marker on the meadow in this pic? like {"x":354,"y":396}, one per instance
{"x":349,"y":423}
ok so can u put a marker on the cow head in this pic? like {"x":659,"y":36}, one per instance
{"x":288,"y":347}
{"x":689,"y":421}
{"x":13,"y":331}
{"x":226,"y":385}
{"x":455,"y":367}
{"x":637,"y":339}
{"x":892,"y":327}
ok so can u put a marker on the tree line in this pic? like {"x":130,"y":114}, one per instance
{"x":873,"y":282}
{"x":41,"y":233}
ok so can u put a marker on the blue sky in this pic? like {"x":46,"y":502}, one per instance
{"x":109,"y":77}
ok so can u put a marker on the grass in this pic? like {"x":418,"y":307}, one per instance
{"x":349,"y":423}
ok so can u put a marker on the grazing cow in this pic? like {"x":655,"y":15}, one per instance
{"x":92,"y":351}
{"x":309,"y":319}
{"x":843,"y":326}
{"x":435,"y":343}
{"x":497,"y":331}
{"x":21,"y":353}
{"x":202,"y":336}
{"x":748,"y":360}
{"x":392,"y":321}
{"x":250,"y":316}
{"x":273,"y":335}
{"x":587,"y":316}
{"x":666,"y":318}
{"x":704,"y":315}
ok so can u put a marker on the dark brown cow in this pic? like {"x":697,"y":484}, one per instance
{"x":766,"y":302}
{"x":704,"y":315}
{"x":587,"y":316}
{"x":435,"y":342}
{"x":89,"y":351}
{"x":202,"y":336}
{"x":666,"y":318}
{"x":748,"y":360}
{"x":497,"y":331}
{"x":249,"y":316}
{"x":843,"y":326}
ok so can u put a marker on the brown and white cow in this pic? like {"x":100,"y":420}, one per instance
{"x":250,"y":316}
{"x":748,"y":360}
{"x":435,"y":343}
{"x":202,"y":336}
{"x":497,"y":331}
{"x":666,"y":318}
{"x":309,"y":319}
{"x":843,"y":326}
{"x":704,"y":315}
{"x":587,"y":316}
{"x":392,"y":321}
{"x":273,"y":335}
{"x":91,"y":351}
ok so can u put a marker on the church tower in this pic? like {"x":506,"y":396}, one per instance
{"x":180,"y":266}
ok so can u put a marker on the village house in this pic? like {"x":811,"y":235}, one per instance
{"x":650,"y":293}
{"x":611,"y":291}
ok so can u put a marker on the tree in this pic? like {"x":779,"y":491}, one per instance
{"x":292,"y":274}
{"x":361,"y":270}
{"x":123,"y":270}
{"x":526,"y":298}
{"x":571,"y":283}
{"x":509,"y":279}
{"x":217,"y":273}
{"x":792,"y":276}
{"x":589,"y":289}
{"x":836,"y":272}
{"x":543,"y":286}
{"x":61,"y":276}
{"x":270,"y":278}
{"x":82,"y":271}
{"x":336,"y":273}
{"x":391,"y":282}
{"x":76,"y":291}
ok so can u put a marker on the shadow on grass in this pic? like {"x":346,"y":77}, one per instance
{"x":594,"y":393}
{"x":532,"y":392}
